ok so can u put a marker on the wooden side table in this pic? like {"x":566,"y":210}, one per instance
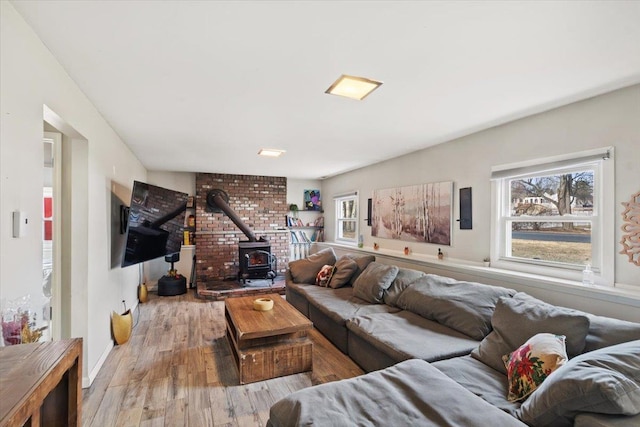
{"x":41,"y":384}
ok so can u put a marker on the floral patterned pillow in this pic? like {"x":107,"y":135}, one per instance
{"x":324,"y":275}
{"x":530,"y":364}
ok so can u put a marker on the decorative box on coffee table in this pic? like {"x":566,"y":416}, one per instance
{"x":267,"y":344}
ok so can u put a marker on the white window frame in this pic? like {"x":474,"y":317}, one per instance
{"x":338,"y":200}
{"x":602,"y":220}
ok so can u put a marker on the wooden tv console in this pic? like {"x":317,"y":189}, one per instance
{"x":41,"y":384}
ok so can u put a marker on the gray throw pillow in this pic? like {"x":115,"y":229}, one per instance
{"x":345,"y":267}
{"x":306,"y":270}
{"x":373,"y":281}
{"x":466,"y":307}
{"x":517,"y":319}
{"x":606,"y":331}
{"x":404,"y":278}
{"x":363,"y":261}
{"x":605,"y":381}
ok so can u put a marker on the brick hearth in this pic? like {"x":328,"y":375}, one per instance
{"x":216,"y":290}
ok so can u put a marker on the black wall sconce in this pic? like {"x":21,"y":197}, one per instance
{"x":368,"y":219}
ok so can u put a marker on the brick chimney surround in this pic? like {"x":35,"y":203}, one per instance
{"x":261,"y":203}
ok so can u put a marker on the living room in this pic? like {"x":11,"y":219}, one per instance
{"x":36,"y":88}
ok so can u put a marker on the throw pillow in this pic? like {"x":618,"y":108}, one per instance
{"x":324,"y":275}
{"x":520,"y":317}
{"x":362,"y":261}
{"x":402,"y":281}
{"x":604,"y":381}
{"x":373,"y":281}
{"x":345,"y":267}
{"x":306,"y":270}
{"x":532,"y":363}
{"x":606,"y":331}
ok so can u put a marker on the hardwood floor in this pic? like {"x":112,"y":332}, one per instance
{"x":177,"y":370}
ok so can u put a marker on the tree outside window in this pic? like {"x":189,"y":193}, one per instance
{"x":546,"y":216}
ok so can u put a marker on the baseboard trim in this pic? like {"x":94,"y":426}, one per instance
{"x":88,"y":380}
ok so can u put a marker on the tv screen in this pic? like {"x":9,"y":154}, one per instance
{"x":155,"y":223}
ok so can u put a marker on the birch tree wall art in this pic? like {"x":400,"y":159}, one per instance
{"x":417,"y":213}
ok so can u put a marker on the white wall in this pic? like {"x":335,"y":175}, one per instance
{"x":177,"y":181}
{"x":608,"y":120}
{"x":31,"y":78}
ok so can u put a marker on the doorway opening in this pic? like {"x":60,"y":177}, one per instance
{"x":51,"y":214}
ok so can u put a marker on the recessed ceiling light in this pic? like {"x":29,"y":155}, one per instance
{"x":269,"y":152}
{"x":353,"y":87}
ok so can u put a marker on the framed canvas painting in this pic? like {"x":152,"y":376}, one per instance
{"x":312,"y":200}
{"x":415,"y":213}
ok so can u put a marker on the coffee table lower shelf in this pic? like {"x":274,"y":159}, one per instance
{"x":271,"y":361}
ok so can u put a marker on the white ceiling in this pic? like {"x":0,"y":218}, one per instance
{"x":201,"y":86}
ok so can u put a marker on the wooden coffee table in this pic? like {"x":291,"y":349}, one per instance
{"x":267,"y":344}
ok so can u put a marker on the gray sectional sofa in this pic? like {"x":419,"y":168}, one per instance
{"x":433,"y":348}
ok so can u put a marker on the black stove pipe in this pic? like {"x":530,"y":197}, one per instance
{"x":222,"y":204}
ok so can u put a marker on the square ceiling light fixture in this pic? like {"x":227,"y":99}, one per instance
{"x":270,"y":152}
{"x":353,"y":87}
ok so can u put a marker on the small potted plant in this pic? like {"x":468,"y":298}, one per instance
{"x":294,"y":210}
{"x":487,"y":261}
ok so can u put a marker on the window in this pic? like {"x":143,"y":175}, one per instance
{"x":347,"y":218}
{"x":551,"y":216}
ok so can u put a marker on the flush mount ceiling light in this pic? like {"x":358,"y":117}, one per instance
{"x":353,"y":87}
{"x":270,"y":152}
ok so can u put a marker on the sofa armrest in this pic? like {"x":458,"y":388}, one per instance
{"x":287,"y":276}
{"x":605,"y":420}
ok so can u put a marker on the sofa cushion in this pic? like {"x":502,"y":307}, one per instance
{"x":531,"y":363}
{"x":603,"y":381}
{"x":589,"y":419}
{"x":466,"y":307}
{"x":405,"y":335}
{"x":373,"y":281}
{"x":305,"y":270}
{"x":404,"y":278}
{"x":479,"y":379}
{"x":520,"y":317}
{"x":411,"y":393}
{"x":324,"y":275}
{"x":341,"y":304}
{"x":363,"y":261}
{"x":345,"y":269}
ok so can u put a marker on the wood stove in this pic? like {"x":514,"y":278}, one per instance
{"x":256,"y":261}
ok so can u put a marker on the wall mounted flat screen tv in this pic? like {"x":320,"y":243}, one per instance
{"x":155,"y":223}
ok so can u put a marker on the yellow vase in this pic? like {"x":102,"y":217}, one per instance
{"x":121,"y":325}
{"x":143,"y":295}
